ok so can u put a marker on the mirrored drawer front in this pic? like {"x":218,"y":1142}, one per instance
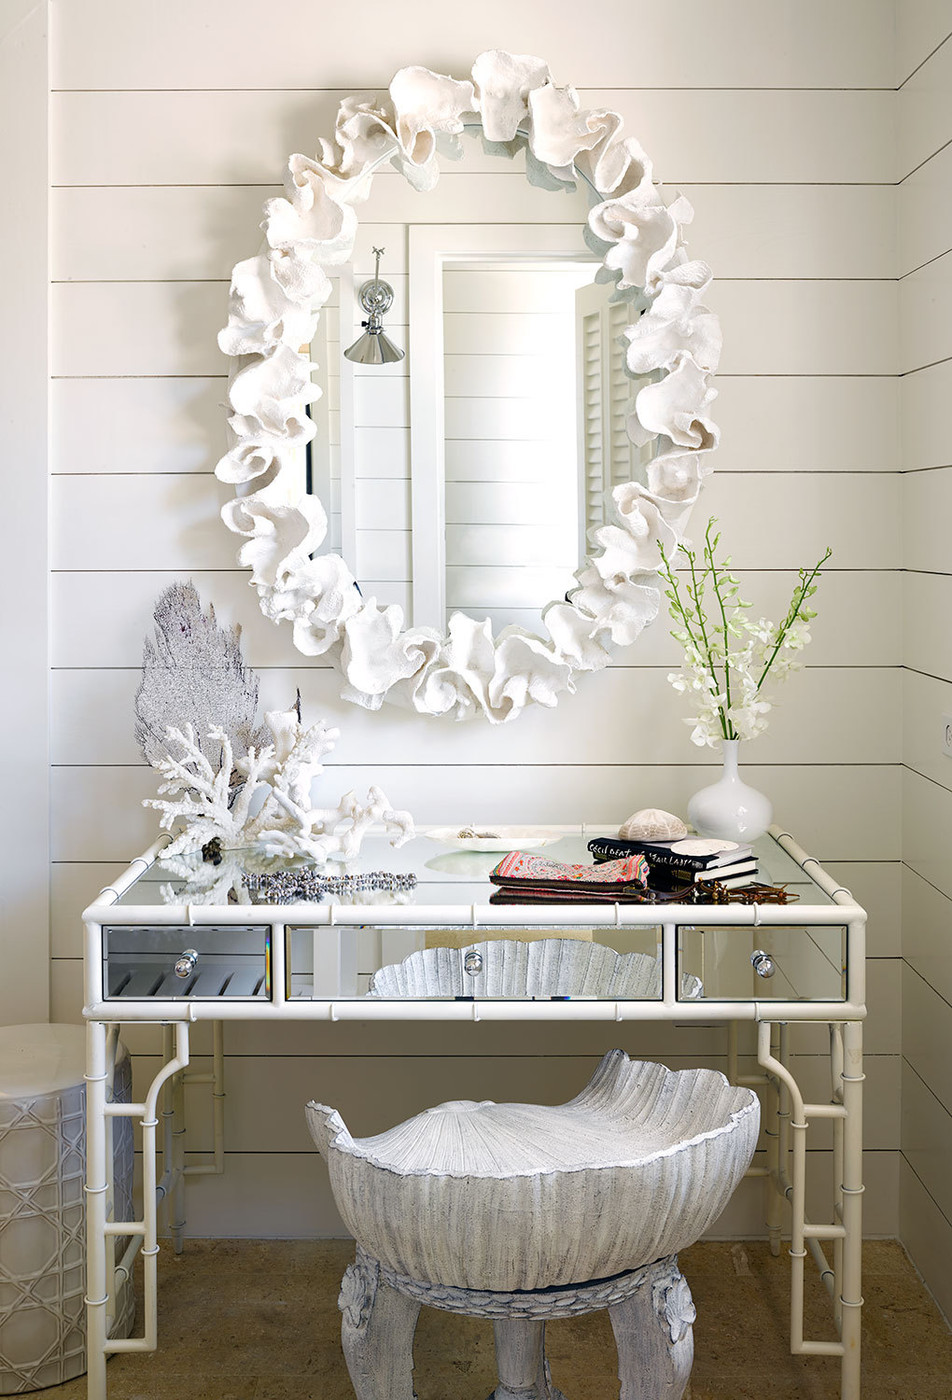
{"x":201,"y":963}
{"x":796,"y":963}
{"x":462,"y":963}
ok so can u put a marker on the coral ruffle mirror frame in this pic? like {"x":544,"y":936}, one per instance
{"x":275,"y":301}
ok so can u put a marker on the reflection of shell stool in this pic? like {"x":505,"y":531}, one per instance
{"x":507,"y":967}
{"x":42,"y":1171}
{"x":523,"y":1213}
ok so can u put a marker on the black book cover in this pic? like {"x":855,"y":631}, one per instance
{"x":660,"y":853}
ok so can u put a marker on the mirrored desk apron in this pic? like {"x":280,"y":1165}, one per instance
{"x":170,"y":947}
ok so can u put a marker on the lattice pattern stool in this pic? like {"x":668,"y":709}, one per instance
{"x":522,"y":1213}
{"x":42,"y":1213}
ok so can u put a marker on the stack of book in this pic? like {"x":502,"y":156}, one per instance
{"x":687,"y":861}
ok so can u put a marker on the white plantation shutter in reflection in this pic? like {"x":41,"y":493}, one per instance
{"x":624,"y":456}
{"x":604,"y":391}
{"x":591,"y":415}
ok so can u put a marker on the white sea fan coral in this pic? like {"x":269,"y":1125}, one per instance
{"x":270,"y":807}
{"x":193,"y":672}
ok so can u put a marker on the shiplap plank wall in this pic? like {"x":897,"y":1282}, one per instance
{"x":925,"y":303}
{"x":166,"y":141}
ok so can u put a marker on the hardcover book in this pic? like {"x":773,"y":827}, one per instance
{"x":683,"y":854}
{"x":720,"y":872}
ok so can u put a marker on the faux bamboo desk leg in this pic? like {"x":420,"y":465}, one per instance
{"x":99,"y":1229}
{"x":96,"y":1191}
{"x":845,"y":1231}
{"x":851,"y":1299}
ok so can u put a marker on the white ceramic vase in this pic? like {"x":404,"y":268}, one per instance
{"x":730,"y":808}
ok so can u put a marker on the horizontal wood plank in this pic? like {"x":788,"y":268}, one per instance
{"x":927,"y":1034}
{"x":781,"y":521}
{"x":926,"y":1125}
{"x":925,"y":109}
{"x":927,"y":932}
{"x":927,"y":642}
{"x":926,"y":819}
{"x":925,"y":212}
{"x":779,"y":48}
{"x":926,"y":507}
{"x":926,"y":702}
{"x":925,"y":315}
{"x":776,"y":327}
{"x":101,"y":618}
{"x":925,"y":425}
{"x":821,"y":717}
{"x":191,"y":232}
{"x":768,"y":423}
{"x":852,"y":812}
{"x":927,"y":1234}
{"x":694,"y":136}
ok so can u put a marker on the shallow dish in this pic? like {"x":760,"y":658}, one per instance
{"x":494,"y":838}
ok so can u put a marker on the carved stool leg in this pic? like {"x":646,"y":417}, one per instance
{"x":377,"y":1333}
{"x":520,"y":1361}
{"x":654,"y":1337}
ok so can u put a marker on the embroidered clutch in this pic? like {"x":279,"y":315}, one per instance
{"x":521,"y":876}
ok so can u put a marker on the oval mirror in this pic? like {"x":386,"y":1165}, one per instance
{"x":557,"y":381}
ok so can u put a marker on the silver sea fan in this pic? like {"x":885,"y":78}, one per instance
{"x":193,"y":673}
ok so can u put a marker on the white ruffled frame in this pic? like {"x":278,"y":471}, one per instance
{"x":274,"y":305}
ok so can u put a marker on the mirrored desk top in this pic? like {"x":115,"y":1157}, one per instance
{"x":444,"y":876}
{"x":243,"y":937}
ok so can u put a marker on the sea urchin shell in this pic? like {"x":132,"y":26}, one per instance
{"x":651,"y":824}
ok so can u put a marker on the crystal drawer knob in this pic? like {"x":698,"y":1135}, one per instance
{"x":473,"y":963}
{"x":185,"y":965}
{"x":762,"y":963}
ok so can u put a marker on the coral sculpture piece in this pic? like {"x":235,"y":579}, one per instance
{"x":269,"y":807}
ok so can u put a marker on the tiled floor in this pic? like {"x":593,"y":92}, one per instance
{"x":258,"y":1320}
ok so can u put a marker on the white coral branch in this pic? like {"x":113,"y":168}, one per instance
{"x":206,"y":803}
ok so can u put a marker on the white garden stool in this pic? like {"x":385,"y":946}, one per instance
{"x":42,"y":1211}
{"x":522,"y":1213}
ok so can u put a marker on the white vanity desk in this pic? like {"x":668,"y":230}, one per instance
{"x":313,"y":961}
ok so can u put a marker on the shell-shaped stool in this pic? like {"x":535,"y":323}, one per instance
{"x":522,"y":1212}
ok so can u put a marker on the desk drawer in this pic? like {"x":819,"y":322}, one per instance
{"x":200,"y":963}
{"x":769,"y":963}
{"x":429,"y":962}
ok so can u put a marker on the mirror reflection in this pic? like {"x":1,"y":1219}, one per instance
{"x":526,"y":396}
{"x":535,"y":398}
{"x":510,"y":416}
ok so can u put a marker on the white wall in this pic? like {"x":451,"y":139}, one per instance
{"x":24,"y":613}
{"x":925,"y":307}
{"x":170,"y":126}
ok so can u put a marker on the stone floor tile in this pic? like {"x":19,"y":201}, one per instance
{"x":258,"y":1320}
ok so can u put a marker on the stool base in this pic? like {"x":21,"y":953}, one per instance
{"x":650,"y":1308}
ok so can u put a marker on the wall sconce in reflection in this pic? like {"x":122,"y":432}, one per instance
{"x":373,"y":347}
